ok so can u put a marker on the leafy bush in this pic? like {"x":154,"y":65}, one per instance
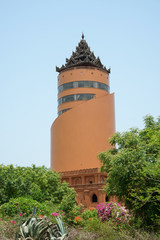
{"x":22,"y":206}
{"x":68,"y":201}
{"x":82,"y":219}
{"x":70,"y":216}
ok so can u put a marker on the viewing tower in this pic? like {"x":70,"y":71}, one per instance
{"x":85,"y":121}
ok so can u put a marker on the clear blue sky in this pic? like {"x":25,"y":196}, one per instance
{"x":37,"y":35}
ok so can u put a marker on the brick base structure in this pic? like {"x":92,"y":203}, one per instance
{"x":88,"y":184}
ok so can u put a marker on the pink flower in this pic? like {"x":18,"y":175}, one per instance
{"x":54,"y":214}
{"x":14,"y":222}
{"x":20,"y":214}
{"x":0,"y":219}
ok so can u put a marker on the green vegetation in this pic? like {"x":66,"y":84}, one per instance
{"x":42,"y":192}
{"x":37,"y":183}
{"x":133,"y":168}
{"x":34,"y":203}
{"x":23,"y":205}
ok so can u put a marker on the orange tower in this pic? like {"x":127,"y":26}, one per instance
{"x":86,"y":119}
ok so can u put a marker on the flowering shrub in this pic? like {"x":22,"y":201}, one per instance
{"x":113,"y":211}
{"x":78,"y":220}
{"x":84,"y":218}
{"x":89,"y":213}
{"x":92,"y":209}
{"x":70,"y":217}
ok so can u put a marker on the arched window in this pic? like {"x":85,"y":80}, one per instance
{"x":94,"y":198}
{"x":90,"y":180}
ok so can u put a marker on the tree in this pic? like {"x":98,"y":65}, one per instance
{"x":38,"y":183}
{"x":133,"y":167}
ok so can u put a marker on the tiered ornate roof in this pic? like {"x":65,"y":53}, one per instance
{"x":82,"y":57}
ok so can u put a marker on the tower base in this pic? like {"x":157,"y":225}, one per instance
{"x":88,"y":184}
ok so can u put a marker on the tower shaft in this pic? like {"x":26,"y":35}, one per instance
{"x":85,"y":123}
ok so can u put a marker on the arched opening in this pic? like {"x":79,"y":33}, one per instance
{"x":94,"y":198}
{"x":107,"y":199}
{"x":90,"y":182}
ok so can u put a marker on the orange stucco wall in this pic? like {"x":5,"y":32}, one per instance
{"x":81,"y":133}
{"x":83,"y":73}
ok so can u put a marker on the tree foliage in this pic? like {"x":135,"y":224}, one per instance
{"x":39,"y":183}
{"x":133,"y":167}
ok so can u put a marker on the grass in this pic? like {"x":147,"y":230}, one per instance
{"x":109,"y":234}
{"x":7,"y":230}
{"x":97,"y":232}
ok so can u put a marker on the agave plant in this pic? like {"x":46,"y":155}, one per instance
{"x":63,"y":232}
{"x":41,"y":229}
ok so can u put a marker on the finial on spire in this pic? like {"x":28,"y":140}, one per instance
{"x":82,"y":35}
